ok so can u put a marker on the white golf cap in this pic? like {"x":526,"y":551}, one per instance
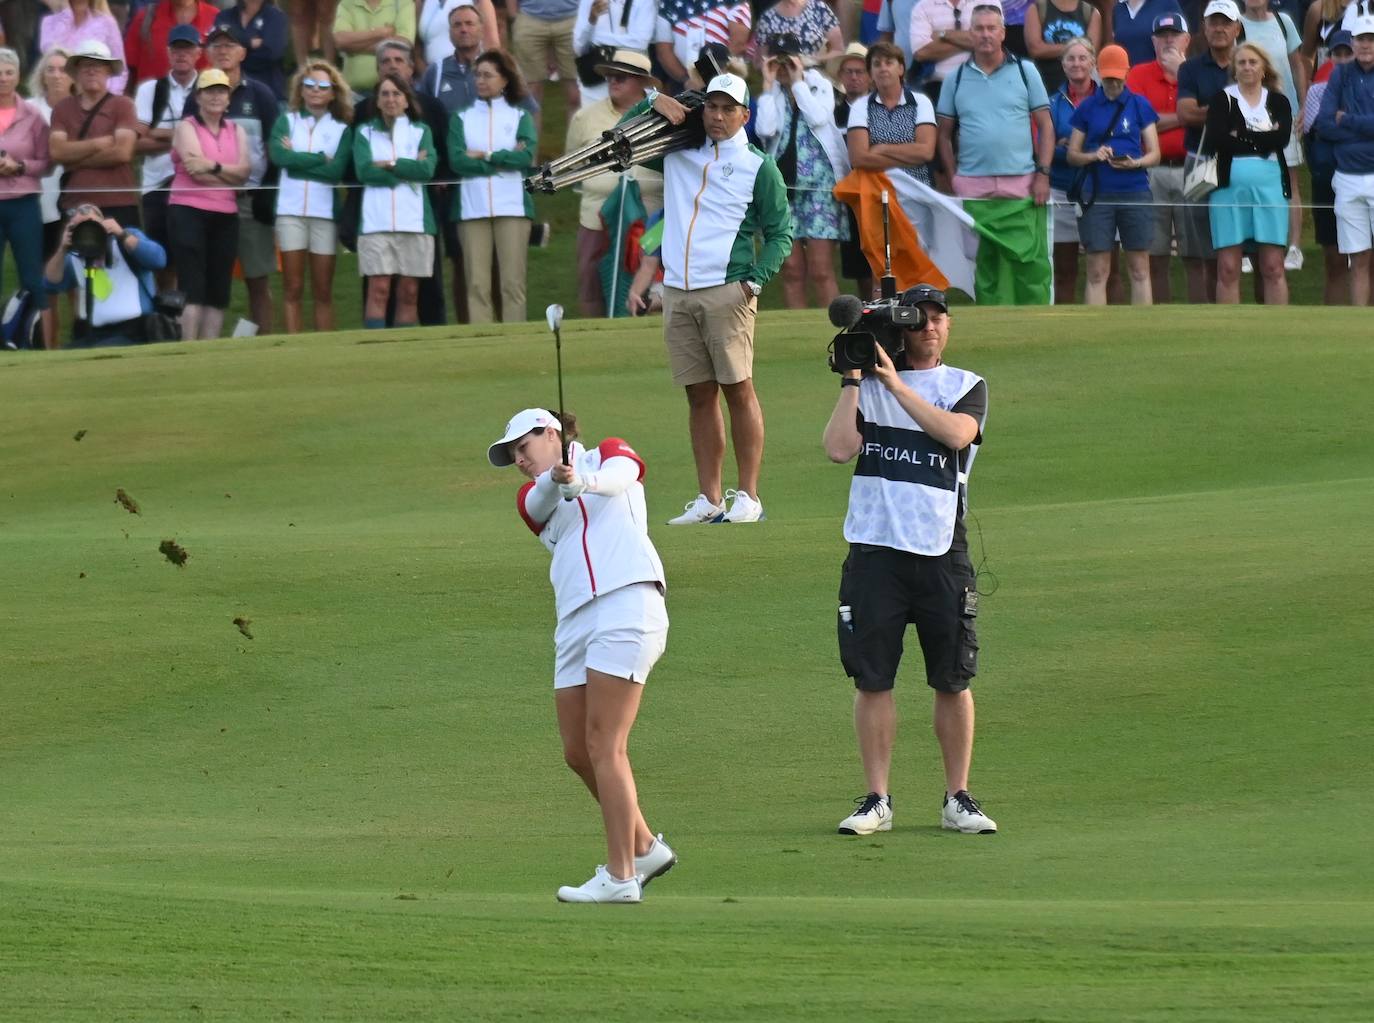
{"x":521,"y":423}
{"x":1360,"y":24}
{"x":1225,"y":7}
{"x":732,"y":85}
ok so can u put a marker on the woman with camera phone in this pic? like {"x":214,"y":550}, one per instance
{"x":23,"y":161}
{"x":210,"y":158}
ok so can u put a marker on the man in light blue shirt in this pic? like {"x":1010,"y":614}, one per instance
{"x":894,"y":24}
{"x":992,"y":99}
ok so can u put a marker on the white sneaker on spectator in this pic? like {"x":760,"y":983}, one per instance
{"x":1294,"y":259}
{"x":874,"y":814}
{"x":699,"y":511}
{"x":541,"y":235}
{"x":743,"y":508}
{"x":656,"y":862}
{"x":961,"y":812}
{"x":1246,"y":267}
{"x":603,"y":888}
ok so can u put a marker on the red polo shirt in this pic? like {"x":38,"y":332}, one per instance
{"x":1149,"y":81}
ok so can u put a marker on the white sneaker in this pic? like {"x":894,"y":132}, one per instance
{"x":694,"y":513}
{"x":1246,"y":267}
{"x":743,"y":508}
{"x":603,"y":888}
{"x":874,"y":814}
{"x":961,"y":812}
{"x":1294,"y":259}
{"x":656,"y":862}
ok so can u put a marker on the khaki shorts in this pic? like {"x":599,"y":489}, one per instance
{"x":257,"y":243}
{"x":318,"y":235}
{"x":534,"y":39}
{"x":407,"y":253}
{"x":709,"y":333}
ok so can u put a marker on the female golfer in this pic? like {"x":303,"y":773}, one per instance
{"x":587,"y":508}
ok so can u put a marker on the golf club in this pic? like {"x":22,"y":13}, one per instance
{"x":554,"y":315}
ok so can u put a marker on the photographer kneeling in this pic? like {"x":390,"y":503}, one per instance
{"x":915,"y":431}
{"x":118,"y":263}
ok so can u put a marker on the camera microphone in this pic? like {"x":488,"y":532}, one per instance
{"x":845,"y":311}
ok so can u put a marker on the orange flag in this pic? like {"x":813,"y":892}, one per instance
{"x":863,"y":191}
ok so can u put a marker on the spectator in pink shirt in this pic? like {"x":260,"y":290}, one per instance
{"x":75,"y":21}
{"x":23,"y":161}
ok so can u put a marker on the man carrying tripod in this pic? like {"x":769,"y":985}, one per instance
{"x":915,"y":426}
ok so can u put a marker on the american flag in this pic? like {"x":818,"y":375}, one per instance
{"x":711,"y":17}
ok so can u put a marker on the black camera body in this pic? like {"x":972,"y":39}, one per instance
{"x":868,"y":325}
{"x":90,"y":241}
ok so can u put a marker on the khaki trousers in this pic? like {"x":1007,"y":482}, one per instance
{"x":509,"y":239}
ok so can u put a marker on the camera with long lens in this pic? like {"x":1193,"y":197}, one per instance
{"x":866,"y":326}
{"x":90,"y":240}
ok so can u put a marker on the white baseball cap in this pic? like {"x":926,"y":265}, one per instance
{"x":1225,"y":7}
{"x":1360,"y":24}
{"x":732,"y":85}
{"x":521,"y":423}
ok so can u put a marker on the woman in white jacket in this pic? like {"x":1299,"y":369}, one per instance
{"x":586,"y":505}
{"x":796,"y":122}
{"x":490,"y":146}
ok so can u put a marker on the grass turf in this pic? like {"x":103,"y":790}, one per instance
{"x":360,"y":813}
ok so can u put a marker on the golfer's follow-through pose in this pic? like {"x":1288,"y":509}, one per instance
{"x":587,"y":508}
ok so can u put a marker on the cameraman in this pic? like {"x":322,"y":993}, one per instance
{"x":915,"y":431}
{"x":122,"y":260}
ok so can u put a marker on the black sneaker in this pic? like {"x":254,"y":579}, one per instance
{"x":874,"y":814}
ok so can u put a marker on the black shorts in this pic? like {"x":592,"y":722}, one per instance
{"x":204,"y":246}
{"x":155,"y":217}
{"x":883,"y":590}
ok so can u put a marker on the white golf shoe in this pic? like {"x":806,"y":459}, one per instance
{"x":603,"y":888}
{"x":874,"y":814}
{"x":699,"y":512}
{"x":743,"y":508}
{"x":656,"y":862}
{"x":962,"y":813}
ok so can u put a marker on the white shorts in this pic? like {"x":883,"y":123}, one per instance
{"x":1354,"y":211}
{"x":318,"y":235}
{"x":1065,"y":218}
{"x":621,"y":633}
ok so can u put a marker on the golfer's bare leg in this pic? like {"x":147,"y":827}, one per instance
{"x":571,"y":705}
{"x":612,"y":704}
{"x":746,"y":432}
{"x":875,"y":726}
{"x":708,"y":436}
{"x":954,"y":730}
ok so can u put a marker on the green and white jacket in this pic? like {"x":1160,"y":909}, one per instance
{"x":716,"y":198}
{"x":494,"y":186}
{"x":312,"y":165}
{"x":395,"y":199}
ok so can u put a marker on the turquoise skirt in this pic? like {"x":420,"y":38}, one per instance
{"x":1251,"y":207}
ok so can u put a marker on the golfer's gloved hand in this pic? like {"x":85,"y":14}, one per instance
{"x":573,"y":488}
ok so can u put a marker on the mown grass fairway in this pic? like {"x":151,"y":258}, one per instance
{"x":361,"y":813}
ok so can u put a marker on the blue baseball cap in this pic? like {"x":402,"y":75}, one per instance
{"x":1340,"y":37}
{"x":183,"y":34}
{"x":1171,"y":22}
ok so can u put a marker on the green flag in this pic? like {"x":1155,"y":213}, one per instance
{"x":1013,"y":266}
{"x":623,"y":214}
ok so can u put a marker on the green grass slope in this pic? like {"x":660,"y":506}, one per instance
{"x":360,"y":813}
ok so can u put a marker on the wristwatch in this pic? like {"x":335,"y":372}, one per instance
{"x":1042,"y":170}
{"x":940,"y":36}
{"x":757,"y":289}
{"x":849,"y":382}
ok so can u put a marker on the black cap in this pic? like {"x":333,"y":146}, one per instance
{"x":227,"y":29}
{"x":786,"y":45}
{"x":712,"y":60}
{"x":918,"y":293}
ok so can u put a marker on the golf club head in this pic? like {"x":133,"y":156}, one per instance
{"x":554,"y":315}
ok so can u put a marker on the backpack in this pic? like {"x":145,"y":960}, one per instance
{"x":21,"y":322}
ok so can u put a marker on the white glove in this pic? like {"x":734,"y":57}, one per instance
{"x":573,"y":489}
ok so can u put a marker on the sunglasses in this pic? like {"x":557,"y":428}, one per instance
{"x":311,"y":83}
{"x":618,"y":76}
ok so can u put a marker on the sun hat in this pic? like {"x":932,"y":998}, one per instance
{"x":521,"y":423}
{"x":732,"y":85}
{"x":1113,"y":62}
{"x":629,"y":62}
{"x":854,"y":51}
{"x":95,"y":50}
{"x":211,"y":77}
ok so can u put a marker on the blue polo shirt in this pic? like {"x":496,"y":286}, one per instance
{"x":895,"y":16}
{"x":993,"y":112}
{"x":1132,"y":32}
{"x":1200,"y":78}
{"x":1122,"y":134}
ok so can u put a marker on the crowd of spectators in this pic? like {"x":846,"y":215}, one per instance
{"x":245,"y":141}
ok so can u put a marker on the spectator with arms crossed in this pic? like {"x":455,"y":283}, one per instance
{"x":1347,"y":121}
